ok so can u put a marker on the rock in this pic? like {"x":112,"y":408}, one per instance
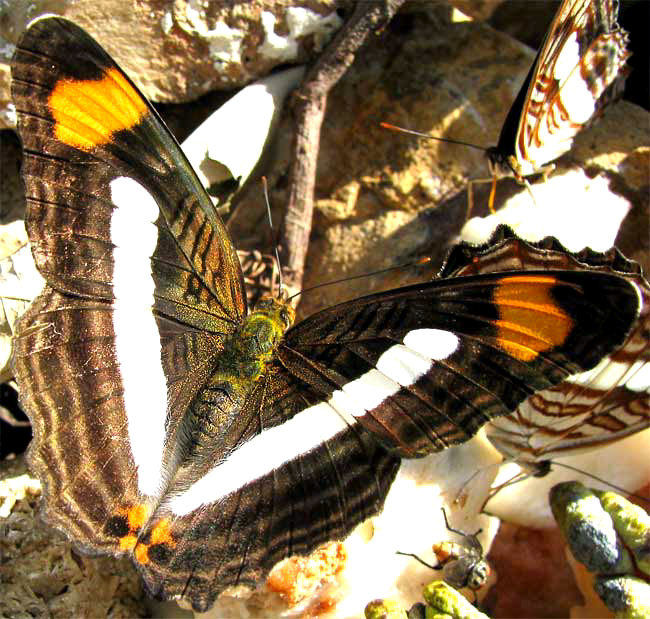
{"x":178,"y":51}
{"x":42,"y":574}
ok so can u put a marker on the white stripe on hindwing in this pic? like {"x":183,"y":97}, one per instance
{"x":398,"y":366}
{"x":269,"y":450}
{"x":137,"y":341}
{"x":433,"y":343}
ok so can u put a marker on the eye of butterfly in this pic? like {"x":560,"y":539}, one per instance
{"x":208,"y":442}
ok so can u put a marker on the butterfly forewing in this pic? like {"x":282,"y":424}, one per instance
{"x":143,"y":285}
{"x":425,"y":367}
{"x":588,"y":410}
{"x":107,"y":184}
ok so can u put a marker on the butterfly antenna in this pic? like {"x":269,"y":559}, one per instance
{"x":406,"y":265}
{"x":602,"y":481}
{"x":275,"y":245}
{"x":430,"y":137}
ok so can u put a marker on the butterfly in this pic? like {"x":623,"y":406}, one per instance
{"x":579,"y":69}
{"x":207,"y":441}
{"x":587,"y":411}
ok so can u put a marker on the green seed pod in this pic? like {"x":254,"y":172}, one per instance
{"x":589,"y":529}
{"x":384,"y":609}
{"x":627,"y":596}
{"x":445,"y":601}
{"x":632,"y":523}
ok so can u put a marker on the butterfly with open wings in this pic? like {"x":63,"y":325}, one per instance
{"x":207,"y":441}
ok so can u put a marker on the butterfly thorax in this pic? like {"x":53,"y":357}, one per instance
{"x":502,"y":165}
{"x":239,"y":368}
{"x":261,"y":332}
{"x":248,"y":350}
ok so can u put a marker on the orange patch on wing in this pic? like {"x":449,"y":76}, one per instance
{"x":530,"y":321}
{"x":128,"y":542}
{"x":162,"y":533}
{"x":137,"y":516}
{"x":142,"y":554}
{"x":88,"y":112}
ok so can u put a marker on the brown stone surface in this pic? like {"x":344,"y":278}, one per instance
{"x":534,"y":579}
{"x":177,"y":51}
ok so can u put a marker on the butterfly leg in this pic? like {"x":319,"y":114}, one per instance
{"x":493,"y":191}
{"x":530,"y":191}
{"x":546,"y":170}
{"x":470,"y":195}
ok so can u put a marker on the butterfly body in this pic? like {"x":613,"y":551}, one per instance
{"x":207,"y":442}
{"x":247,"y":352}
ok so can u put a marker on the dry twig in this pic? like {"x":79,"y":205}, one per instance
{"x":310,"y":103}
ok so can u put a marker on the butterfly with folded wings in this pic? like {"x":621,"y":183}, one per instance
{"x":580,"y":68}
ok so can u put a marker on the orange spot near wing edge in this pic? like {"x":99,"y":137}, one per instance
{"x":88,"y":112}
{"x":530,"y":320}
{"x":160,"y":534}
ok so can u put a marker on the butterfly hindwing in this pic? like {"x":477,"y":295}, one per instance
{"x":80,"y":450}
{"x":315,"y":497}
{"x":217,"y":525}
